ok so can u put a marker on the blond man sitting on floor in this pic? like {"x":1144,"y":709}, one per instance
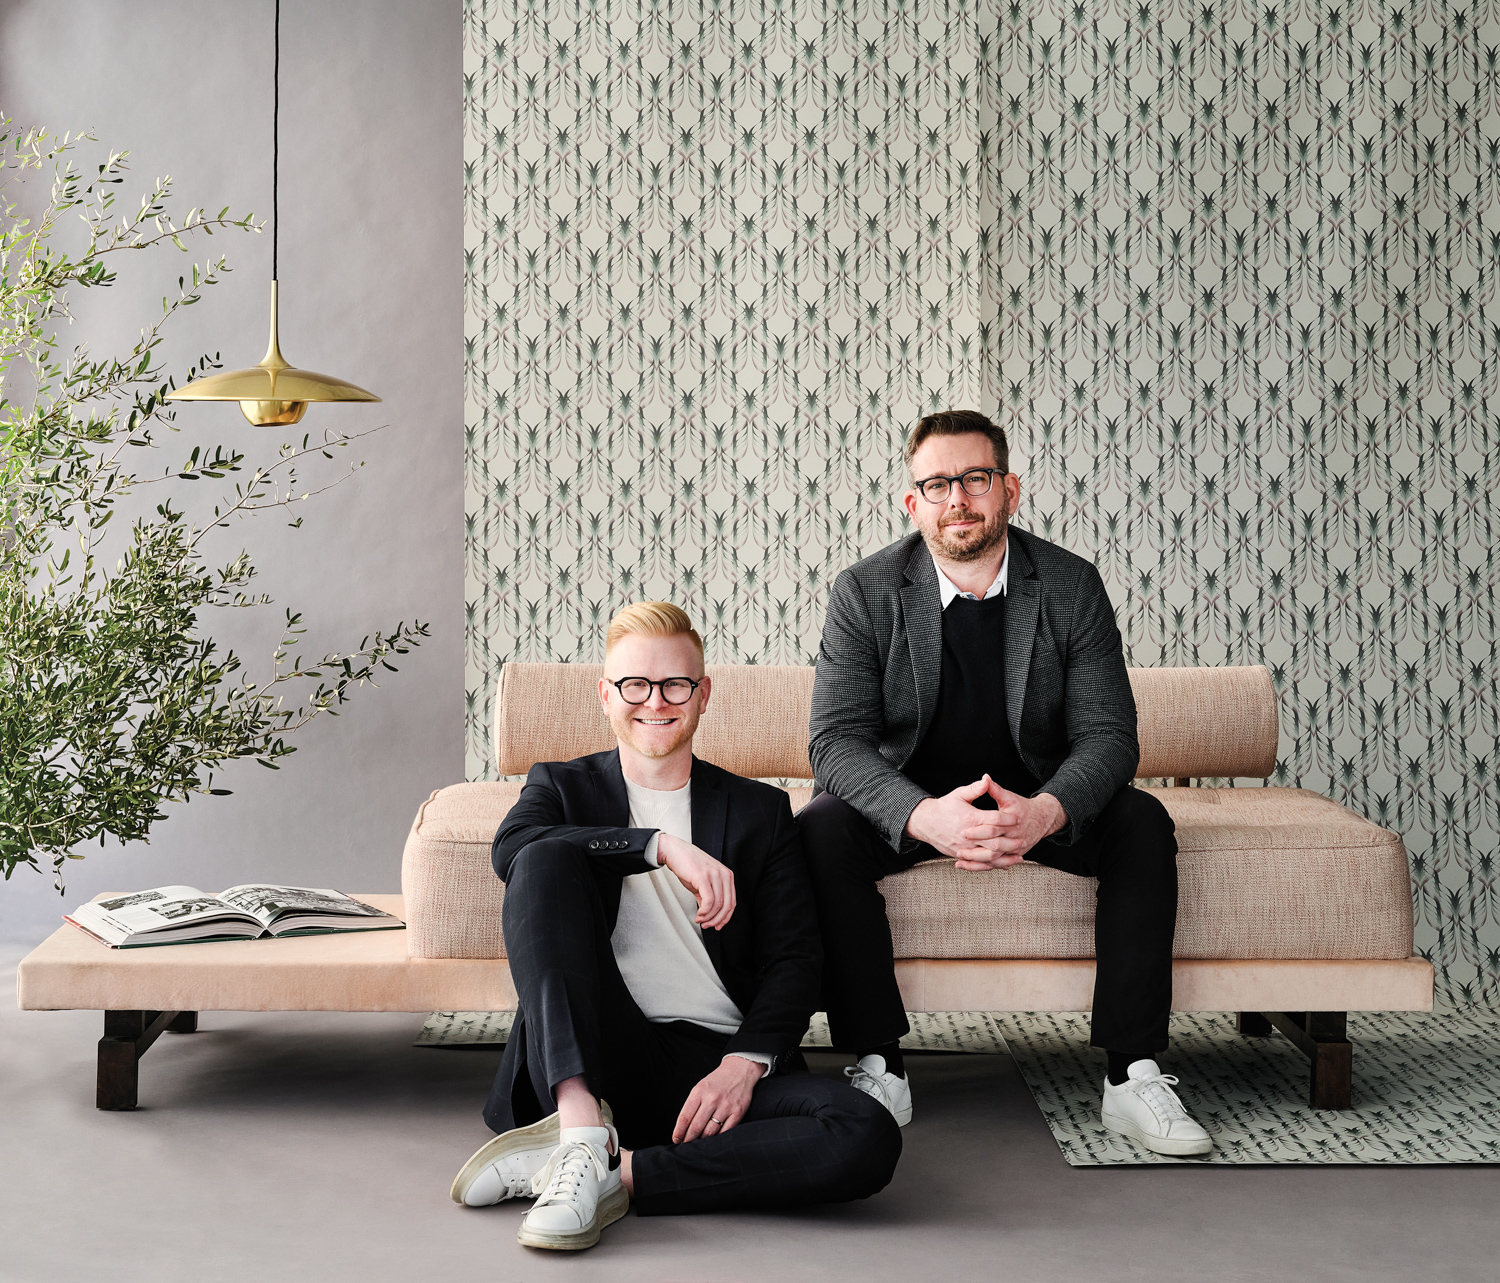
{"x":661,"y":934}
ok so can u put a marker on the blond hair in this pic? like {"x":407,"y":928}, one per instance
{"x":651,"y":619}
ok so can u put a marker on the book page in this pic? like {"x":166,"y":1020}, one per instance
{"x":115,"y":903}
{"x":267,"y":902}
{"x":163,"y":906}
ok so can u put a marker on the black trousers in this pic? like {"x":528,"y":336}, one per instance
{"x":803,"y":1140}
{"x":1131,"y":848}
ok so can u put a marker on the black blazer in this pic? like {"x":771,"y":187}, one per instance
{"x":1072,"y":713}
{"x":769,"y":954}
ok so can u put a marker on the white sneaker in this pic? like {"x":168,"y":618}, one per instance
{"x":894,"y":1093}
{"x":503,"y":1167}
{"x":579,"y":1192}
{"x":1146,"y":1109}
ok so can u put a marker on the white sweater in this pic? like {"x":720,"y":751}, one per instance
{"x":656,"y":942}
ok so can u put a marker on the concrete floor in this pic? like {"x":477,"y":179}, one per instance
{"x":305,"y":1146}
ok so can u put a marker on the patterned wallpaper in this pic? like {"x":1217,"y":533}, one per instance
{"x":1222,"y":269}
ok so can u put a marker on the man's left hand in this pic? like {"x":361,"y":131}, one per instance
{"x":719,"y":1101}
{"x":1017,"y":826}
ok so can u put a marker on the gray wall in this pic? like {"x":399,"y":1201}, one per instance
{"x":371,"y":281}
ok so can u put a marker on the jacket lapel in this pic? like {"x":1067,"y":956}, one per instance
{"x":922,"y":611}
{"x":614,"y":801}
{"x":1023,"y":593}
{"x":710,"y":806}
{"x":710,"y":811}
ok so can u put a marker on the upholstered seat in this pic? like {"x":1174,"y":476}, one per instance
{"x":1264,"y":873}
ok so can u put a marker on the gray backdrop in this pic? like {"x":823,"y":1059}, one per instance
{"x":371,"y":281}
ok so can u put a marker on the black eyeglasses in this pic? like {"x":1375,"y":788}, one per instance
{"x":637,"y":690}
{"x":976,"y":482}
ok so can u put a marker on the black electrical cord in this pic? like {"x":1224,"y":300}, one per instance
{"x":276,"y":143}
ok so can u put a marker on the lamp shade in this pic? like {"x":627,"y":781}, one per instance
{"x":273,"y":392}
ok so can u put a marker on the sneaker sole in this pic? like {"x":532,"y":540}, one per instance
{"x":1156,"y":1144}
{"x":902,"y":1116}
{"x":611,"y":1207}
{"x":514,"y":1141}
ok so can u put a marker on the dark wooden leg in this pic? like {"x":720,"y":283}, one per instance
{"x":1252,"y":1024}
{"x":185,"y":1022}
{"x":1323,"y":1037}
{"x":127,"y":1034}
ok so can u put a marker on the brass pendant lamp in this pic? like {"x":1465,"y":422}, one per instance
{"x":272,"y":393}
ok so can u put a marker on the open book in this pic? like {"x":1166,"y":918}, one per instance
{"x":180,"y":915}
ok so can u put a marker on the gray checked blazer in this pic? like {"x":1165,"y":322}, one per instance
{"x":1072,"y":713}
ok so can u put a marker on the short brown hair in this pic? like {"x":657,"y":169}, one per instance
{"x":957,"y":423}
{"x":651,"y":619}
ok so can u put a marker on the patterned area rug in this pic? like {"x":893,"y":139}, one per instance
{"x":1426,"y":1087}
{"x":1426,"y":1090}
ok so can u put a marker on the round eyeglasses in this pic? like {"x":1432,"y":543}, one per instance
{"x":975,"y":482}
{"x":637,"y":690}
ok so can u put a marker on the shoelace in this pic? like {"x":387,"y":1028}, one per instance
{"x":517,"y":1186}
{"x":863,"y":1080}
{"x":559,"y":1180}
{"x":1157,"y":1092}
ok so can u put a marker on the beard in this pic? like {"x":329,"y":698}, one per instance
{"x":629,"y":733}
{"x":968,"y":545}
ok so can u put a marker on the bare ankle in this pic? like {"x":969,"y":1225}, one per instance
{"x":627,"y":1172}
{"x":576,"y":1106}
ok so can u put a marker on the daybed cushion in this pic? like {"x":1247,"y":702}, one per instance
{"x":1262,"y":873}
{"x":1265,"y":873}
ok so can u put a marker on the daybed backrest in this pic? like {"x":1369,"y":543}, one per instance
{"x":1197,"y":722}
{"x":1192,"y":721}
{"x":755,"y":724}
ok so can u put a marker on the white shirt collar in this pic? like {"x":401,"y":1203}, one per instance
{"x":948,"y":590}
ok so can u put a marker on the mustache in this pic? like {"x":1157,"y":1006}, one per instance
{"x":961,"y":515}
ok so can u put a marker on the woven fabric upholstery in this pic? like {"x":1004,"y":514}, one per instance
{"x":451,"y":893}
{"x":1195,"y":722}
{"x":548,"y":713}
{"x":1199,"y":722}
{"x":755,"y":723}
{"x":1263,"y":873}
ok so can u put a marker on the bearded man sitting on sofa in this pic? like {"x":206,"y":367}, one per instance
{"x":662,"y":939}
{"x":972,"y":703}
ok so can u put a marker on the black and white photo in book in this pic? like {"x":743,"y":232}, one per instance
{"x":186,"y":915}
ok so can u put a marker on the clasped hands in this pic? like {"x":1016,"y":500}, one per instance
{"x":977,"y":840}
